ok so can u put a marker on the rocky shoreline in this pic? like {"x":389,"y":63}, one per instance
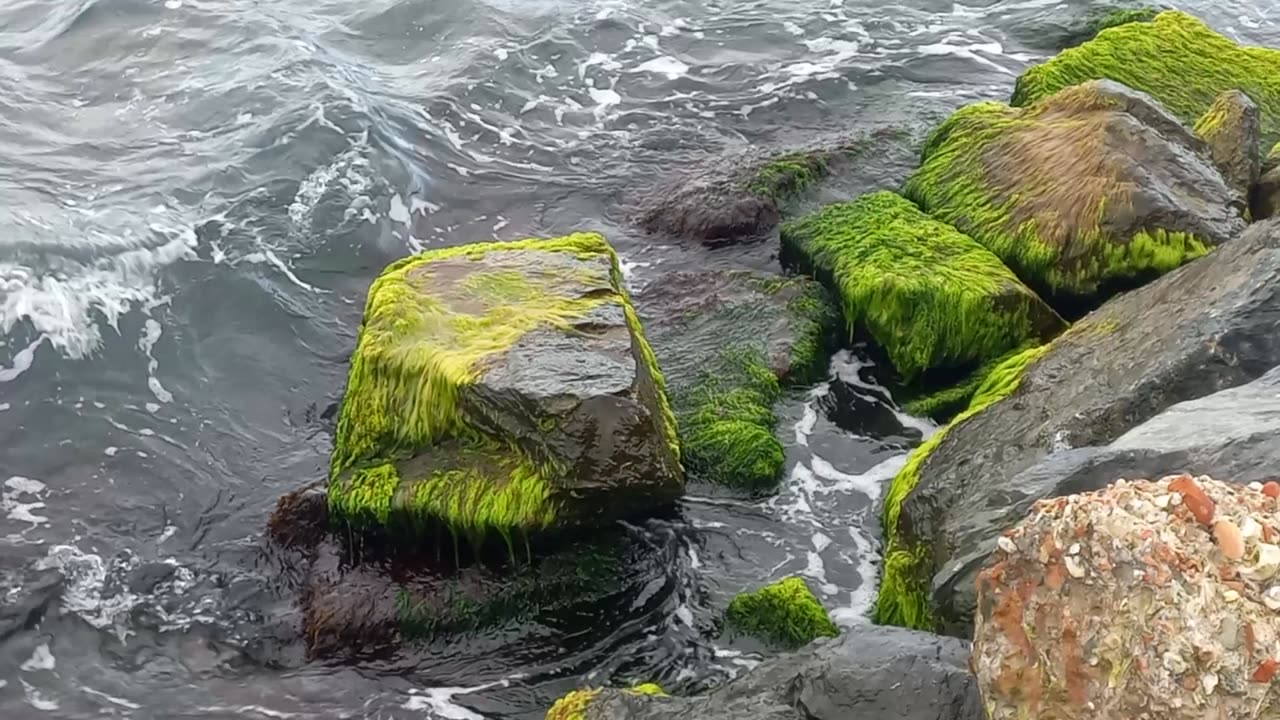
{"x":1083,"y":284}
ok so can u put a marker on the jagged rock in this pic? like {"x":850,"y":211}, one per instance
{"x":500,"y":389}
{"x":867,"y":672}
{"x":1145,"y":599}
{"x":1264,"y":201}
{"x":727,"y":342}
{"x":1227,"y":434}
{"x":892,"y":266}
{"x":1232,"y":128}
{"x":1176,"y":59}
{"x":1092,"y":188}
{"x":1206,"y":327}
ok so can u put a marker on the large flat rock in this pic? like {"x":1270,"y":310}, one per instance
{"x":502,"y":388}
{"x":1207,"y":327}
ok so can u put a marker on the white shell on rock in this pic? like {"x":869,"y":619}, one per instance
{"x":1271,"y":598}
{"x":1267,"y":564}
{"x":1075,"y":566}
{"x":1005,"y":544}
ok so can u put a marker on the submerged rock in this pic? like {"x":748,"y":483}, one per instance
{"x":1205,"y":327}
{"x":728,"y":341}
{"x":1090,"y":189}
{"x":929,"y":295}
{"x":741,"y":198}
{"x":1068,"y":25}
{"x":500,"y":389}
{"x":1176,"y":59}
{"x":785,"y":613}
{"x":1141,"y":600}
{"x":1231,"y":128}
{"x":867,"y":672}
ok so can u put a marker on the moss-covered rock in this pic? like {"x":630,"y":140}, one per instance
{"x":932,"y":297}
{"x":573,"y":706}
{"x":785,"y":613}
{"x":1177,"y":59}
{"x":945,"y":402}
{"x":1231,"y":127}
{"x":903,"y":597}
{"x":728,"y":341}
{"x":500,"y":389}
{"x":1094,"y":188}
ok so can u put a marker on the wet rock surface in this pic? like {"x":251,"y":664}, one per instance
{"x":1229,"y":434}
{"x":1145,"y":599}
{"x":1206,"y":327}
{"x":867,"y":672}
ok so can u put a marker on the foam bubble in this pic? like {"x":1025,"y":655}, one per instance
{"x":10,"y":500}
{"x":41,"y":659}
{"x":664,"y":65}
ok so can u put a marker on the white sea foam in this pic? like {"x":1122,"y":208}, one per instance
{"x":41,"y":659}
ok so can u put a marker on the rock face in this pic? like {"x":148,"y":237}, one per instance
{"x":1206,"y":327}
{"x":1142,"y":600}
{"x":785,"y":613}
{"x":502,"y":388}
{"x":727,"y":342}
{"x":1177,"y":59}
{"x":1228,"y":434}
{"x":929,"y":295}
{"x":1091,"y":188}
{"x":867,"y":672}
{"x":1232,"y":128}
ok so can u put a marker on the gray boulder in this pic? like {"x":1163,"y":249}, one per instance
{"x":868,"y":672}
{"x":1209,"y":326}
{"x":1232,"y":127}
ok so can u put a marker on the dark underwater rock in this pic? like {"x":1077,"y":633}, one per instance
{"x":866,"y":672}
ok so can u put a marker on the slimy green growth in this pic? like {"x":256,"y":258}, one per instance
{"x":785,"y":613}
{"x":929,"y":295}
{"x":903,"y":598}
{"x":574,"y":705}
{"x":1176,"y":58}
{"x":789,"y":175}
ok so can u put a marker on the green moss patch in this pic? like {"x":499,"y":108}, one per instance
{"x":947,"y":402}
{"x":1034,"y":186}
{"x":1176,"y":58}
{"x":930,"y":296}
{"x":573,"y":706}
{"x":788,"y":175}
{"x":903,"y":598}
{"x":406,"y":452}
{"x":785,"y":613}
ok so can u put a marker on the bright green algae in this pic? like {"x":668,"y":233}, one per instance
{"x":1058,"y":249}
{"x":1177,"y":59}
{"x":415,"y":357}
{"x":926,"y":293}
{"x":573,"y":706}
{"x":903,"y":598}
{"x":947,"y":402}
{"x":788,"y":175}
{"x":785,"y":613}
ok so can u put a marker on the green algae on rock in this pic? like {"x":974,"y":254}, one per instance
{"x":785,"y":613}
{"x":491,"y":390}
{"x":904,"y":585}
{"x":1231,"y":128}
{"x":728,"y":341}
{"x":573,"y":706}
{"x":1177,"y":59}
{"x":788,"y":175}
{"x":930,"y":296}
{"x":947,"y":402}
{"x":1093,"y":188}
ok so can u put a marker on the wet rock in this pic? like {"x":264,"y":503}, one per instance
{"x":501,"y":389}
{"x":1204,"y":328}
{"x":1264,"y":200}
{"x":1156,"y":621}
{"x":727,"y":342}
{"x":1176,"y":59}
{"x":24,"y":610}
{"x":1068,"y":25}
{"x":867,"y":672}
{"x":740,"y":198}
{"x":301,"y":518}
{"x":1231,"y":127}
{"x":1091,"y":189}
{"x":890,"y":265}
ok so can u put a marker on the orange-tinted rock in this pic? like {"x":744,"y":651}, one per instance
{"x":1271,"y":489}
{"x":1230,"y":541}
{"x":1194,"y":498}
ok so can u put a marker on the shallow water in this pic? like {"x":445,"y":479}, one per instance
{"x":194,"y":197}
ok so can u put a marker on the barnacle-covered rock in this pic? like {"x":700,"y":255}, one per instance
{"x":1128,"y":602}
